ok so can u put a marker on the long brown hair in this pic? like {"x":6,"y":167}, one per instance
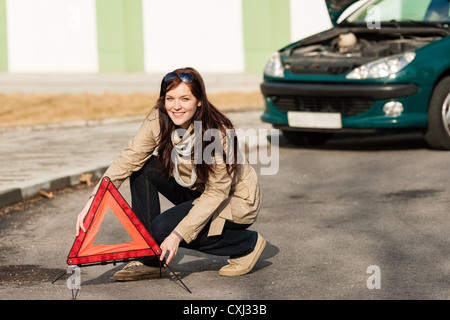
{"x":207,"y":113}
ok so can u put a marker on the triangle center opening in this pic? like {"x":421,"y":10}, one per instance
{"x":111,"y":231}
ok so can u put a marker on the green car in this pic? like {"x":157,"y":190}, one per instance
{"x":384,"y":66}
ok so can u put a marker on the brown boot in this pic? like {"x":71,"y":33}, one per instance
{"x":245,"y":264}
{"x":136,"y":270}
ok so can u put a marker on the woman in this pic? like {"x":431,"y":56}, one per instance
{"x":183,"y":150}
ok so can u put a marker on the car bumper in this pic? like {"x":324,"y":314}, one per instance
{"x":359,"y":105}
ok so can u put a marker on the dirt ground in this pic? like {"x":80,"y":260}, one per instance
{"x":20,"y":109}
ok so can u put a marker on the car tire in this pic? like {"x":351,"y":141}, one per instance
{"x":437,"y":134}
{"x":301,"y":138}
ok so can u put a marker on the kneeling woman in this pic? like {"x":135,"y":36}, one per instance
{"x":216,"y":197}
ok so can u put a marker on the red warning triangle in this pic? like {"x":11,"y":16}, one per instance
{"x":84,"y":252}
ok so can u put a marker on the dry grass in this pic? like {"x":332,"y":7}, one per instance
{"x":34,"y":109}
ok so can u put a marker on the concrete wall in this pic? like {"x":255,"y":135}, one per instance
{"x":91,"y":36}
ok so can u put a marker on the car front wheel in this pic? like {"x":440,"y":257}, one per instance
{"x":437,"y":134}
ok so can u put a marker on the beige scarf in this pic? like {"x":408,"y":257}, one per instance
{"x":182,"y":151}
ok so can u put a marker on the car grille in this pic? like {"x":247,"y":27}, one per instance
{"x":320,"y":69}
{"x":346,"y":106}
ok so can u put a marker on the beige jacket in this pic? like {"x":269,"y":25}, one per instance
{"x":236,"y":199}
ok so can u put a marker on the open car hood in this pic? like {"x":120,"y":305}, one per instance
{"x":336,"y":7}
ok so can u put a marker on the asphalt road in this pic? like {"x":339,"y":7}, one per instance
{"x":360,"y":218}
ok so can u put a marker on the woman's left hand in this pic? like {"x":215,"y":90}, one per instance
{"x":170,"y":244}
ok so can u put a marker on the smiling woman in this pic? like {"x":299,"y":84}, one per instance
{"x":181,"y":105}
{"x":214,"y":202}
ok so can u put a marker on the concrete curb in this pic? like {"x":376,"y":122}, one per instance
{"x":31,"y":189}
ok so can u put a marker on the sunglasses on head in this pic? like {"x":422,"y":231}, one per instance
{"x":184,"y":76}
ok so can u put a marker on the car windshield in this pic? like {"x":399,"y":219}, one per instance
{"x":409,"y":11}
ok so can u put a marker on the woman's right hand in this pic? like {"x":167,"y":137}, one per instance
{"x":82,"y":215}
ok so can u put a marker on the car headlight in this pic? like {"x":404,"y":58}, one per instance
{"x":274,"y":67}
{"x":383,"y":67}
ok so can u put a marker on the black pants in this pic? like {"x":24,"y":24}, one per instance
{"x":147,"y":183}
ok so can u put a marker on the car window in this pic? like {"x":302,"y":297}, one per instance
{"x":402,"y":11}
{"x":438,"y":11}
